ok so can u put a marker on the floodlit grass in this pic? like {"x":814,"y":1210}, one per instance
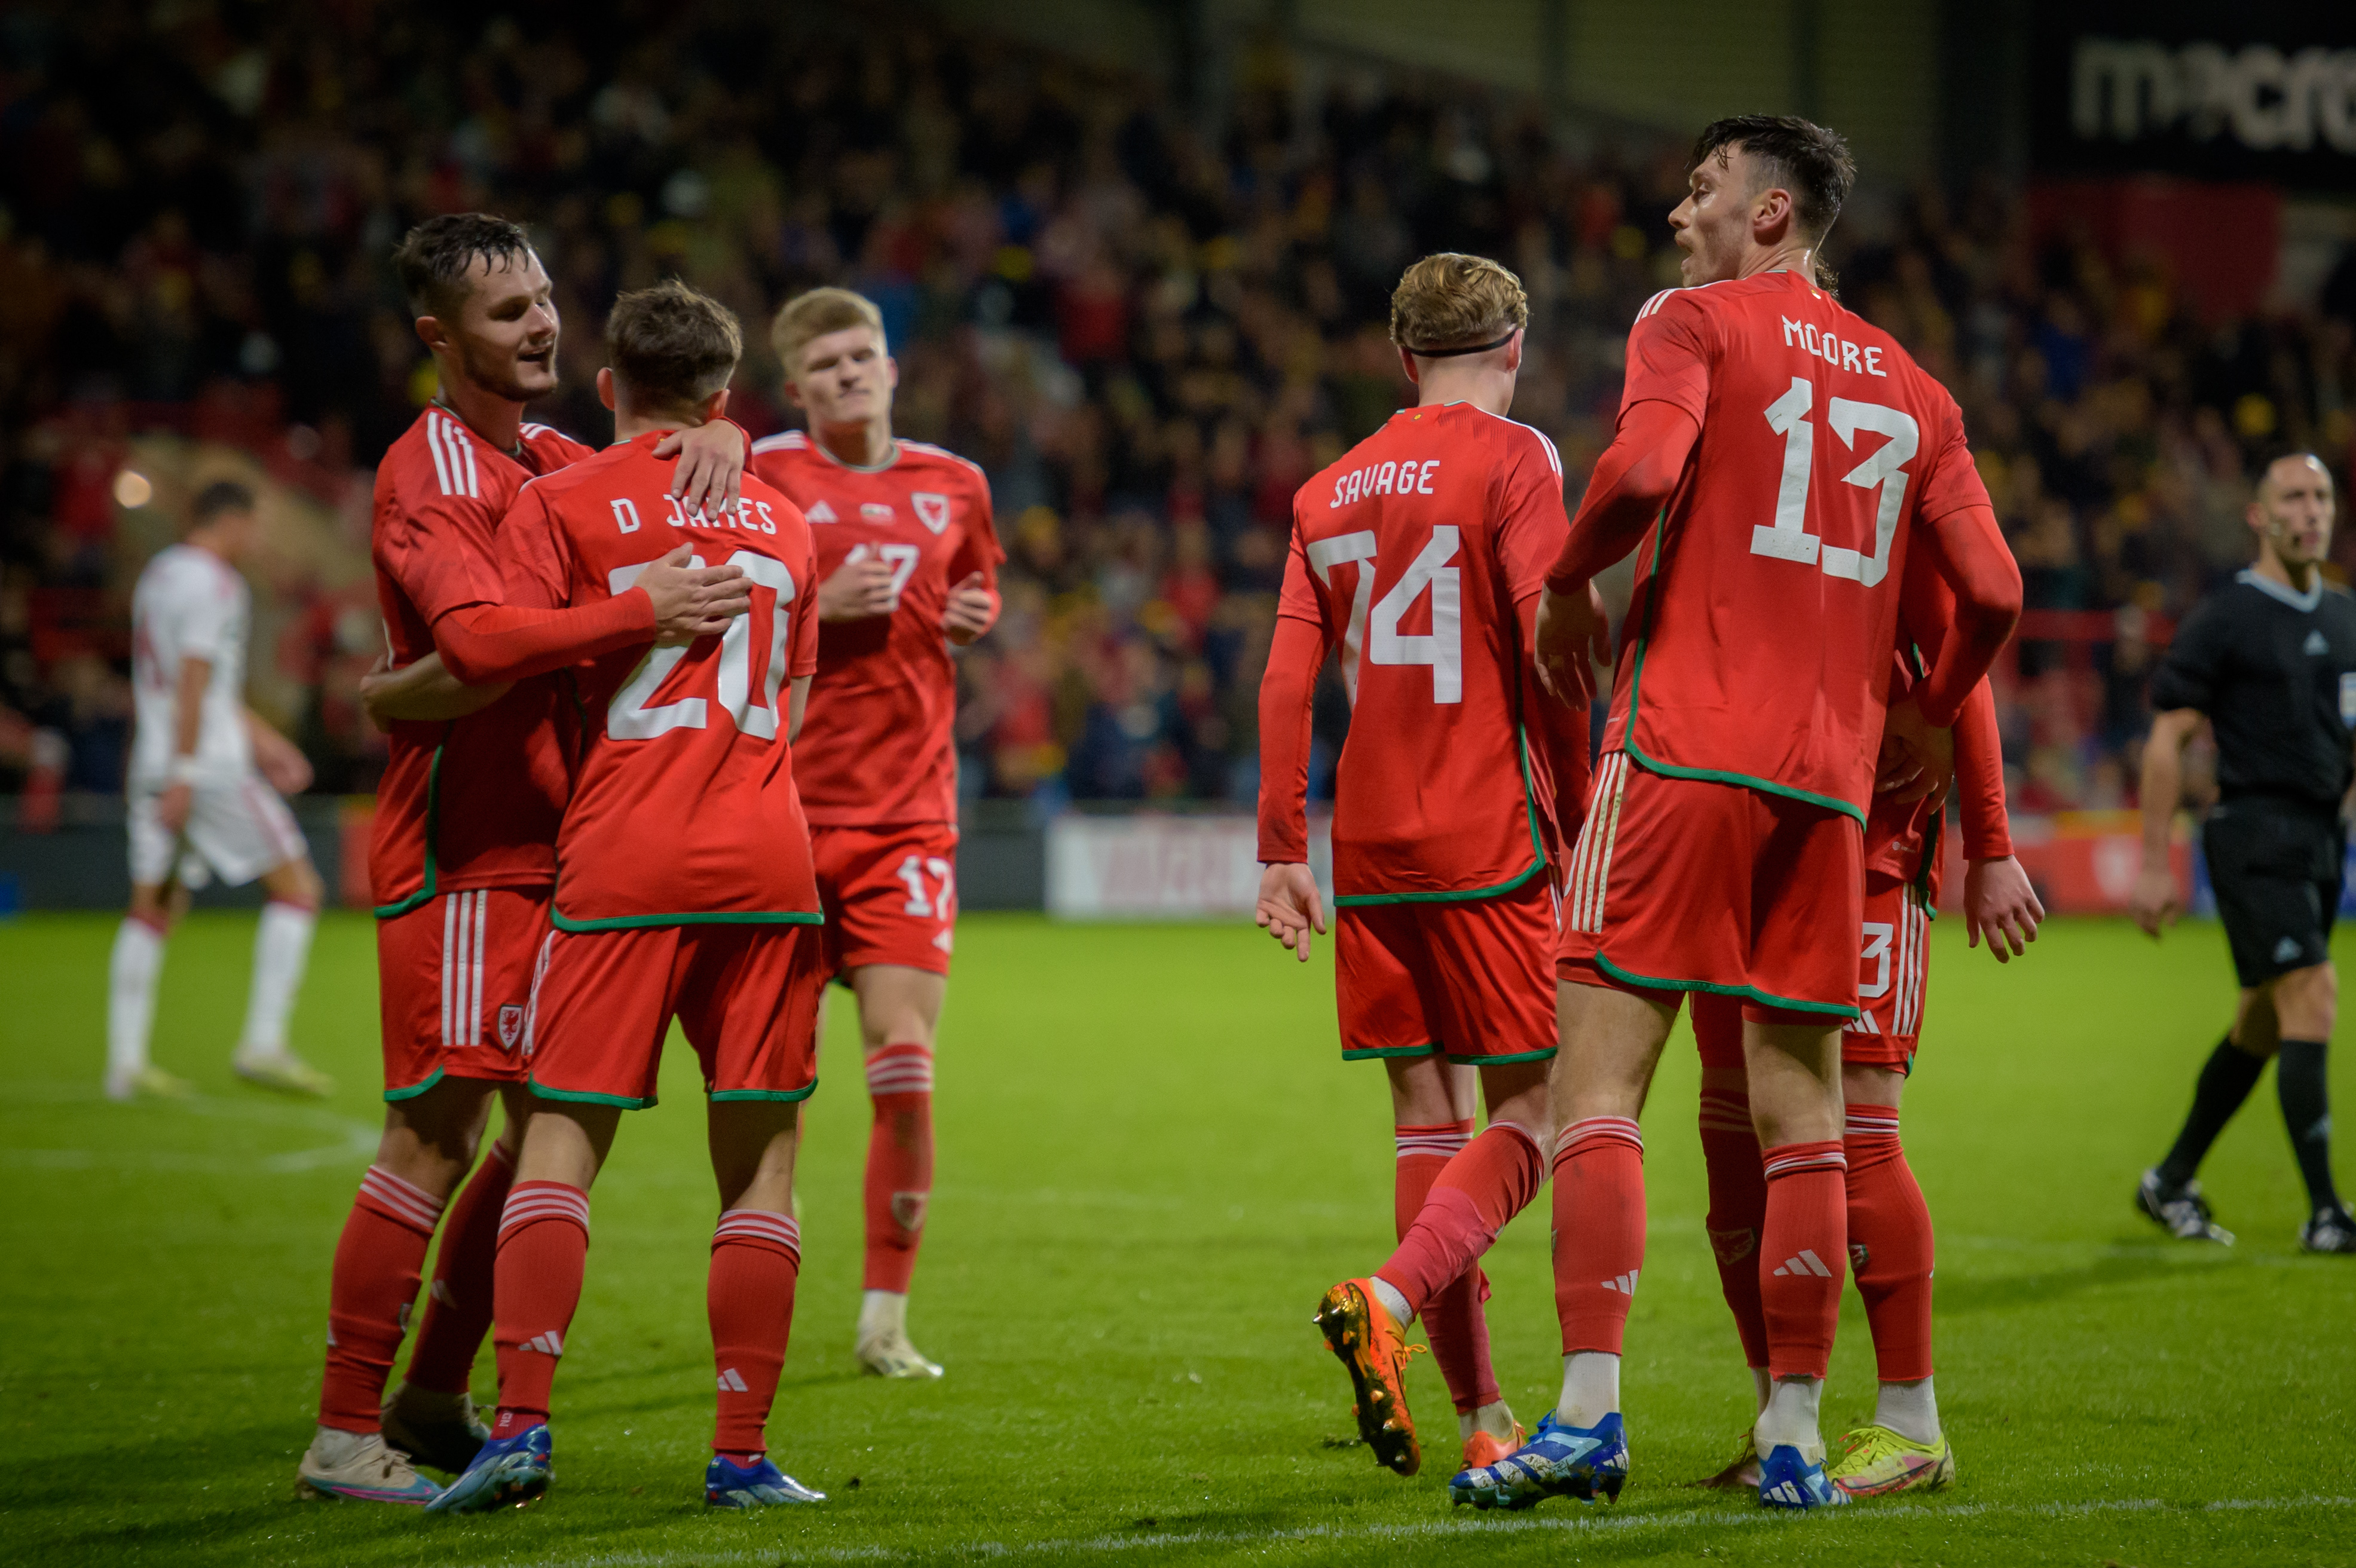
{"x":1151,"y":1163}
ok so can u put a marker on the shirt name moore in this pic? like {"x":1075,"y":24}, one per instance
{"x":1839,"y":352}
{"x":753,"y":517}
{"x":1385,"y":479}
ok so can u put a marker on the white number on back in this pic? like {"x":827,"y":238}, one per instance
{"x":1787,"y":538}
{"x":1376,"y":629}
{"x":629,"y":717}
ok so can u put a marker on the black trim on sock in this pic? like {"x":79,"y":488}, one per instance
{"x":2306,"y":1112}
{"x":2225,"y":1082}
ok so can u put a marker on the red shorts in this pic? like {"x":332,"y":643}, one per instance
{"x":1686,"y":885}
{"x":746,"y":996}
{"x":454,"y":976}
{"x":1889,"y":986}
{"x":890,"y":894}
{"x":1467,"y":981}
{"x":1893,"y":964}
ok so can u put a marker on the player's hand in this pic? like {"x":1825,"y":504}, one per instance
{"x":859,"y":587}
{"x":2154,"y":902}
{"x":1573,"y":636}
{"x":1997,"y":899}
{"x":1290,"y":907}
{"x":1916,"y":757}
{"x":972,"y":608}
{"x":709,"y":477}
{"x":173,"y":805}
{"x":280,"y":761}
{"x":693,"y":602}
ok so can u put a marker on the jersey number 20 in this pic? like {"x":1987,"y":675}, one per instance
{"x":1442,"y":648}
{"x":629,"y":717}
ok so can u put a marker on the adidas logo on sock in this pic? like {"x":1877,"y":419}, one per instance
{"x":733,"y":1382}
{"x":1807,"y":1263}
{"x":547,"y":1344}
{"x":1625,"y":1285}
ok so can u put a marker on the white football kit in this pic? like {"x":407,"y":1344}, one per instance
{"x":192,"y":604}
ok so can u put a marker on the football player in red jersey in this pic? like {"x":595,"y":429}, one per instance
{"x":1419,"y":557}
{"x":1903,"y":1448}
{"x":687,"y":751}
{"x":1782,"y":463}
{"x":464,"y":845}
{"x":907,"y":557}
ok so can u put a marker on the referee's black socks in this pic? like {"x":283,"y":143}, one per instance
{"x":2227,"y":1080}
{"x":2306,"y":1112}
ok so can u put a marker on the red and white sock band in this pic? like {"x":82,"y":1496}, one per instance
{"x":402,"y":1202}
{"x":528,"y":1202}
{"x":1790,"y":1160}
{"x":1596,"y":1132}
{"x":1872,"y":1121}
{"x":902,"y":1069}
{"x":1538,"y":1149}
{"x":1441,"y":1140}
{"x":761,"y":1228}
{"x":1723,"y":1111}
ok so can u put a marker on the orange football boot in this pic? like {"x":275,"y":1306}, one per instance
{"x":1366,"y":1339}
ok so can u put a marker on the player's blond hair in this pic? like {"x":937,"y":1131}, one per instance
{"x":808,"y":316}
{"x":1454,"y":301}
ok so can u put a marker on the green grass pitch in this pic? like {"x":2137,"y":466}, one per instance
{"x":1151,"y":1163}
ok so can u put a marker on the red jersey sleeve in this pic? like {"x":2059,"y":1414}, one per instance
{"x":1979,"y":778}
{"x":440,"y":551}
{"x":1531,"y":521}
{"x":1297,"y":600}
{"x":978,"y":549}
{"x":1951,"y":481}
{"x":801,"y":651}
{"x":535,"y":568}
{"x":1668,"y":355}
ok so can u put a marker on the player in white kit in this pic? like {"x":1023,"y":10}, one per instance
{"x":206,"y":772}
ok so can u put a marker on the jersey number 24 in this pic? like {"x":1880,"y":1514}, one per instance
{"x":629,"y":717}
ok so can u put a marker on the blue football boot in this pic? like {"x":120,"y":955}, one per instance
{"x":1787,"y":1480}
{"x":508,"y":1470}
{"x":727,"y":1484}
{"x":1560,"y":1461}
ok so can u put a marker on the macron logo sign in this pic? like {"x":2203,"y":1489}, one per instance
{"x":2266,"y":100}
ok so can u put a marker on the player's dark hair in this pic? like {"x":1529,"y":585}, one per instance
{"x":435,"y":258}
{"x":219,"y":496}
{"x":671,"y":345}
{"x":1804,"y":157}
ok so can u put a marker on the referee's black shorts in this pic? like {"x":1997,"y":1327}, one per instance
{"x":2277,"y":866}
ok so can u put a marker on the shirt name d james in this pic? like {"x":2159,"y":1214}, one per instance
{"x":626,"y":516}
{"x":1837,"y":352}
{"x":1385,"y":479}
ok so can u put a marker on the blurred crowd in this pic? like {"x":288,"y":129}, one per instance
{"x":1147,"y":335}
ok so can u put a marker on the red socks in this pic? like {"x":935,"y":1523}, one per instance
{"x":1469,"y":1200}
{"x":458,"y":1302}
{"x":543,"y":1248}
{"x":1599,"y":1230}
{"x":1452,"y":1318}
{"x":368,"y":1297}
{"x":1803,"y":1249}
{"x":899,"y":1161}
{"x":1889,"y":1244}
{"x":1738,"y":1211}
{"x":756,"y":1258}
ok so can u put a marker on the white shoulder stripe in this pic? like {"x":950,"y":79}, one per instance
{"x":433,"y":446}
{"x":930,"y":449}
{"x":788,"y":442}
{"x":1554,"y":458}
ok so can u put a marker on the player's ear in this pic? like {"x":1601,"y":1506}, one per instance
{"x":1407,"y":363}
{"x":794,"y":393}
{"x":1513,"y":353}
{"x":606,"y":385}
{"x":890,"y":373}
{"x":715,"y":405}
{"x":431,"y":333}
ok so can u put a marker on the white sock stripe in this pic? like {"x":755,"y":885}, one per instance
{"x":1833,"y":1160}
{"x":759,"y":1225}
{"x":1614,"y":1128}
{"x":900,"y":1070}
{"x":544,"y":1202}
{"x":1522,"y":1132}
{"x":1445,"y":1145}
{"x":405,"y":1200}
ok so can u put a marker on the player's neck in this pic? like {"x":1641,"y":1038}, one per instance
{"x":868,"y":444}
{"x":1800,"y":259}
{"x":628,"y":426}
{"x":1491,"y":391}
{"x":2298,"y":579}
{"x":498,"y":419}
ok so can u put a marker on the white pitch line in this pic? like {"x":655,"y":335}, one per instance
{"x":1469,"y":1528}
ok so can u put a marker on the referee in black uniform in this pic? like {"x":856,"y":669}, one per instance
{"x":2269,"y":661}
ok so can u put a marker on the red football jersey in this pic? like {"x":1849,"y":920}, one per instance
{"x":474,"y":802}
{"x":683,"y":807}
{"x":1410,"y":555}
{"x":1766,"y":601}
{"x":876,"y":746}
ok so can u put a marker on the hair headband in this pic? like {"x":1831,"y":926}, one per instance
{"x":1469,"y":348}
